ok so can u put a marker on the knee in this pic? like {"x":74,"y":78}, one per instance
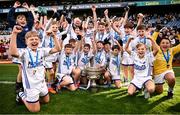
{"x":73,"y":88}
{"x":150,"y":90}
{"x":171,"y":80}
{"x":34,"y":109}
{"x":159,"y":91}
{"x":130,"y":93}
{"x":77,"y":71}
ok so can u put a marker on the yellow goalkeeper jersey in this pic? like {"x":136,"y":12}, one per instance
{"x":160,"y":63}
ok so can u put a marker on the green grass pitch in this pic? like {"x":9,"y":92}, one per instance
{"x":105,"y":101}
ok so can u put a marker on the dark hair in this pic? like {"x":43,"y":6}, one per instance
{"x":164,"y":38}
{"x":72,"y":41}
{"x":100,"y":42}
{"x":141,"y":27}
{"x":101,"y":23}
{"x":107,"y":42}
{"x":115,"y":47}
{"x":68,"y":46}
{"x":87,"y":45}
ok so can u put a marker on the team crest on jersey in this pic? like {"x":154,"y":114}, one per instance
{"x":138,"y":67}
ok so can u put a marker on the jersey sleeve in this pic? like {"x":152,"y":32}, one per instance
{"x":21,"y":52}
{"x":151,"y":58}
{"x":176,"y":49}
{"x":46,"y":51}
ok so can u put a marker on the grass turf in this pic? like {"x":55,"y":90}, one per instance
{"x":106,"y":101}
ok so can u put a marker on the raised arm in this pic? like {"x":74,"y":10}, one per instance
{"x":13,"y":46}
{"x":30,"y":18}
{"x":154,"y":45}
{"x":127,"y":46}
{"x":121,"y":49}
{"x":126,"y":15}
{"x":57,"y":47}
{"x":10,"y":17}
{"x":94,"y":43}
{"x":107,"y":17}
{"x":140,"y":19}
{"x":93,"y":8}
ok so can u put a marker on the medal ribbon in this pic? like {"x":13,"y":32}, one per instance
{"x":34,"y":64}
{"x":68,"y":62}
{"x":166,"y":57}
{"x":117,"y":64}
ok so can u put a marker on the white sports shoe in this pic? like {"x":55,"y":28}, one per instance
{"x":146,"y":94}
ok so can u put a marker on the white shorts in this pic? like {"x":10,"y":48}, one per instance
{"x":126,"y":59}
{"x":48,"y":64}
{"x":67,"y":78}
{"x":32,"y":95}
{"x":16,"y":60}
{"x":159,"y":79}
{"x":114,"y":76}
{"x":139,"y":82}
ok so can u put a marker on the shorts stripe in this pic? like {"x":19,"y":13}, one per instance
{"x":159,"y":83}
{"x":146,"y":81}
{"x":25,"y":76}
{"x":32,"y":101}
{"x":127,"y":64}
{"x":45,"y":95}
{"x":137,"y":88}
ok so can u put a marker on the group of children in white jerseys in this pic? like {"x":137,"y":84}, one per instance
{"x":97,"y":45}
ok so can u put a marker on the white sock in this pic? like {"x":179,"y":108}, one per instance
{"x":170,"y":89}
{"x":22,"y":95}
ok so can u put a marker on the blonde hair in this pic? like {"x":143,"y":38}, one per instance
{"x":31,"y":34}
{"x":54,"y":23}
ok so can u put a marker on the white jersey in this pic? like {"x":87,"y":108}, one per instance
{"x":144,"y":40}
{"x":84,"y":59}
{"x":101,"y":36}
{"x":48,"y":42}
{"x":66,"y":64}
{"x":143,"y":67}
{"x":88,"y":36}
{"x":33,"y":71}
{"x":100,"y":58}
{"x":114,"y":65}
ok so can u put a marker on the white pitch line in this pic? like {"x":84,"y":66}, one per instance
{"x":7,"y":82}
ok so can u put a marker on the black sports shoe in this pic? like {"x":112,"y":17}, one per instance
{"x":19,"y":100}
{"x":18,"y":87}
{"x":170,"y":95}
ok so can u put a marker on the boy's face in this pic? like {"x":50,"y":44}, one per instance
{"x":107,"y":47}
{"x":90,"y":25}
{"x":141,"y":50}
{"x":100,"y":46}
{"x":33,"y":42}
{"x":165,"y":44}
{"x":21,"y":21}
{"x":141,"y":33}
{"x":54,"y":28}
{"x":101,"y":28}
{"x":73,"y":44}
{"x":115,"y":52}
{"x":116,"y":23}
{"x":77,"y":31}
{"x":127,"y":30}
{"x":86,"y":50}
{"x":68,"y":51}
